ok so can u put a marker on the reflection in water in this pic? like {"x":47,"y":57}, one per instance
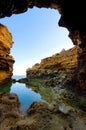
{"x":26,"y":96}
{"x":5,"y":88}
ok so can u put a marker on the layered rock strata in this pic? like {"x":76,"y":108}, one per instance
{"x":58,"y":69}
{"x":59,"y":72}
{"x":72,"y":17}
{"x":6,"y":60}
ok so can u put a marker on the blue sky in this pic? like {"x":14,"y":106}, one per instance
{"x":36,"y":35}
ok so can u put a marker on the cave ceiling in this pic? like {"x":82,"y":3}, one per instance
{"x":72,"y":14}
{"x":72,"y":17}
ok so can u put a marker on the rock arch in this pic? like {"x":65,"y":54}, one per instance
{"x":72,"y":17}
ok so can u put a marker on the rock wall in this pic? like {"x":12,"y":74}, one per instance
{"x":40,"y":116}
{"x":6,"y":61}
{"x":58,"y":70}
{"x":72,"y":17}
{"x":60,"y":73}
{"x":66,"y":60}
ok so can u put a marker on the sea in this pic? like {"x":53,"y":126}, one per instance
{"x":25,"y":95}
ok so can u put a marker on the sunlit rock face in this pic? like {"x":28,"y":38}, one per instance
{"x":72,"y":17}
{"x":6,"y":61}
{"x":65,"y":61}
{"x":58,"y":70}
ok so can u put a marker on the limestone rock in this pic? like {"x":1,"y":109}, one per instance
{"x":6,"y":60}
{"x":72,"y":17}
{"x":48,"y":118}
{"x":40,"y":116}
{"x":65,"y":60}
{"x":9,"y":110}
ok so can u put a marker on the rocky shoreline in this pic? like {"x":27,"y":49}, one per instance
{"x":40,"y":116}
{"x":67,"y":83}
{"x":67,"y":109}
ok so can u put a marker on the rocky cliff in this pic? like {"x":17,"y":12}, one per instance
{"x":59,"y":73}
{"x":72,"y":17}
{"x":59,"y":65}
{"x":59,"y":69}
{"x":66,"y":60}
{"x":6,"y":61}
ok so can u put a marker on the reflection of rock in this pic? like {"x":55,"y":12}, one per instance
{"x":23,"y":80}
{"x":57,"y":70}
{"x":75,"y":25}
{"x":34,"y":88}
{"x":5,"y":88}
{"x":13,"y":80}
{"x":6,"y":61}
{"x":37,"y":85}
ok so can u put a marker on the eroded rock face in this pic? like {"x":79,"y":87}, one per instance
{"x":66,"y":60}
{"x":9,"y":111}
{"x":82,"y":68}
{"x":6,"y":61}
{"x":47,"y":116}
{"x":58,"y":71}
{"x":72,"y":14}
{"x":40,"y":116}
{"x":72,"y":17}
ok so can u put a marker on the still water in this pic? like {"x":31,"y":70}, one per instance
{"x":26,"y":96}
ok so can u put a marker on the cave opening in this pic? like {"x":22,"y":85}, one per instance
{"x":68,"y":96}
{"x":36,"y":35}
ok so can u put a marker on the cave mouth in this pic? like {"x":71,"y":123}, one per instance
{"x":36,"y":35}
